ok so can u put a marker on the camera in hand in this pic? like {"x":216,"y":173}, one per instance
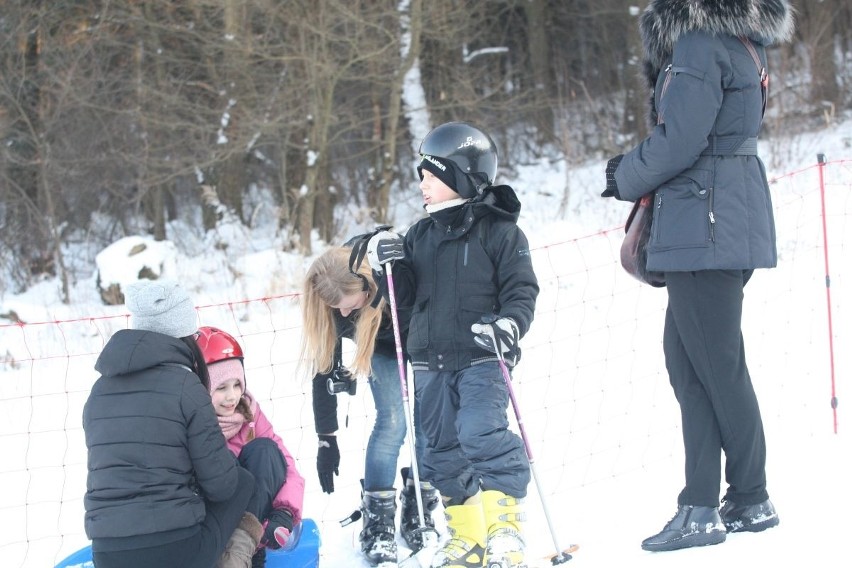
{"x":341,"y":381}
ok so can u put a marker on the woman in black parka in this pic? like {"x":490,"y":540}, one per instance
{"x":712,"y":226}
{"x":162,"y":489}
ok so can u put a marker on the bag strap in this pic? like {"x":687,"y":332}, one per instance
{"x":359,"y":247}
{"x":644,"y":201}
{"x":764,"y":76}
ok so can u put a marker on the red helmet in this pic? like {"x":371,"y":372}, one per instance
{"x":217,"y":345}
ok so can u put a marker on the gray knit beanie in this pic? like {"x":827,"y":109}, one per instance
{"x":162,"y":306}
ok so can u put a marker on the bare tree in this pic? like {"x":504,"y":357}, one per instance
{"x":816,"y":25}
{"x":118,"y":117}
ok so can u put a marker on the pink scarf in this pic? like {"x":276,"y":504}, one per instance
{"x":232,"y":424}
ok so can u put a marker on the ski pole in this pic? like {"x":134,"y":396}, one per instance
{"x":403,"y":383}
{"x":562,"y":555}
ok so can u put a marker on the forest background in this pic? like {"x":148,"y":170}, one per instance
{"x":119,"y":116}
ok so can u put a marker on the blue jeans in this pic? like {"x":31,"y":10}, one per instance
{"x":388,"y":433}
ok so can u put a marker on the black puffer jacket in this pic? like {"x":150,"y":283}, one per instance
{"x":459,"y":265}
{"x":155,"y":446}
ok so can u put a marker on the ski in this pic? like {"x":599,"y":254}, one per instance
{"x":553,"y":560}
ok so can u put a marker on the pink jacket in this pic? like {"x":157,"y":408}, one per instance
{"x":291,"y":496}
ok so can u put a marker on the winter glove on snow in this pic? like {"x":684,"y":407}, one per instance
{"x":492,"y":330}
{"x":611,"y":187}
{"x":278,"y":529}
{"x":328,"y":462}
{"x":384,"y":247}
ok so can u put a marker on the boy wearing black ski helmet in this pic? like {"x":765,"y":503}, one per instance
{"x":466,"y":274}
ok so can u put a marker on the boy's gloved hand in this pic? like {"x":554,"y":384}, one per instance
{"x":612,"y":187}
{"x":384,"y":247}
{"x":504,"y":331}
{"x":328,"y":461}
{"x":278,"y":528}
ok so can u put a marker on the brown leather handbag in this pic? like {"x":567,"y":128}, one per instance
{"x":637,"y":232}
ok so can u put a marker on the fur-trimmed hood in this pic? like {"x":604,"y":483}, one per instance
{"x":664,"y":21}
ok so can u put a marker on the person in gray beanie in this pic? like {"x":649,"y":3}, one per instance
{"x":163,"y":306}
{"x":162,"y":487}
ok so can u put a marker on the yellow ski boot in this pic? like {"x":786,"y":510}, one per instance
{"x":504,"y":546}
{"x":466,"y":546}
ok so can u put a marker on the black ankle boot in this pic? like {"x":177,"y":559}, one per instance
{"x":691,"y":526}
{"x":748,"y":518}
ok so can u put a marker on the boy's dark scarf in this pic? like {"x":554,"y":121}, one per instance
{"x":451,"y":217}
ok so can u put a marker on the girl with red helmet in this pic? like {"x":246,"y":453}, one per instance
{"x":279,"y":488}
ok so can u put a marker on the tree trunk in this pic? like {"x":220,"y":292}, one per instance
{"x":539,"y":50}
{"x":391,"y":133}
{"x":637,"y":90}
{"x":818,"y":32}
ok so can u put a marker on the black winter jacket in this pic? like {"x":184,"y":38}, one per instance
{"x":459,"y":266}
{"x":155,"y":446}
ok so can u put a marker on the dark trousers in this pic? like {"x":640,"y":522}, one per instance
{"x":468,"y":442}
{"x":263,"y":459}
{"x":705,"y":358}
{"x":202,"y":550}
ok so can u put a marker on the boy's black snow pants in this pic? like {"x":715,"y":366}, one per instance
{"x":469,"y":446}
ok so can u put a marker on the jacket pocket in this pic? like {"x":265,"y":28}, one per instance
{"x":682,"y":215}
{"x":418,"y":328}
{"x":471,"y":309}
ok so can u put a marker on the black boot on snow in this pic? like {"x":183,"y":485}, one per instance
{"x":748,"y":518}
{"x":691,"y":526}
{"x":378,"y":509}
{"x":409,"y":521}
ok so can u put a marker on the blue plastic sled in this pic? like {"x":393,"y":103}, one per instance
{"x":301,"y":551}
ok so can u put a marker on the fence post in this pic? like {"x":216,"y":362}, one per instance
{"x":822,"y":161}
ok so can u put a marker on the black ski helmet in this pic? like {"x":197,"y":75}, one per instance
{"x":469,"y":149}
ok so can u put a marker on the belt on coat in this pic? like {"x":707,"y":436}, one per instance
{"x":731,"y":146}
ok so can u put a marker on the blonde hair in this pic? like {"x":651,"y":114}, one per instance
{"x":327,"y":282}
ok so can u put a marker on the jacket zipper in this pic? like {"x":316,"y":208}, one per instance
{"x":466,"y":243}
{"x":658,"y":198}
{"x":665,"y":87}
{"x":712,"y":217}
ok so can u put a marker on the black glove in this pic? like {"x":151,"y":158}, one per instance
{"x":278,"y":528}
{"x":611,"y":187}
{"x":328,"y":462}
{"x":384,"y":247}
{"x":504,"y":331}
